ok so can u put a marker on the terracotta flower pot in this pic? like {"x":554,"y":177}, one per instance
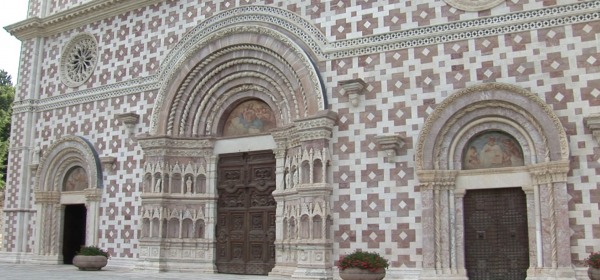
{"x":594,"y":273}
{"x":352,"y":273}
{"x":90,"y":262}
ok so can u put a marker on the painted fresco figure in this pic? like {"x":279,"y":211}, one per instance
{"x":472,"y":158}
{"x":512,"y":155}
{"x":491,"y":154}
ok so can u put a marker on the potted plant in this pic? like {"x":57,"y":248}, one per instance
{"x":91,"y":258}
{"x":361,"y":265}
{"x":593,"y":263}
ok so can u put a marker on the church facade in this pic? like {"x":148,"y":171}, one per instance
{"x":457,"y":139}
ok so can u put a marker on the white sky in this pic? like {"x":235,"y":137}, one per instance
{"x":11,"y":11}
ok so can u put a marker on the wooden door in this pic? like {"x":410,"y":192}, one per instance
{"x":245,"y":228}
{"x":496,"y":239}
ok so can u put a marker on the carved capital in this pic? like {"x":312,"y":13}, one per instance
{"x":437,"y":179}
{"x":549,"y":172}
{"x":316,"y":127}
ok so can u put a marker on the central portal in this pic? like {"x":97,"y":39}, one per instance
{"x":496,"y":240}
{"x":245,"y":228}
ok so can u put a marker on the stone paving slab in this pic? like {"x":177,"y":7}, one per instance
{"x":10,"y":271}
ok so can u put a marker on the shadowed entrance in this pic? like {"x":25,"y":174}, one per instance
{"x":74,"y":231}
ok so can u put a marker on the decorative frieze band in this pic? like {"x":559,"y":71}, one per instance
{"x":42,"y":197}
{"x":161,"y":146}
{"x":436,"y":179}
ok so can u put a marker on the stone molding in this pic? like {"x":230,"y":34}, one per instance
{"x":546,"y":112}
{"x":47,"y":197}
{"x":549,"y":172}
{"x":185,"y":53}
{"x":71,"y":150}
{"x":354,"y":89}
{"x":593,"y":124}
{"x":390,"y":144}
{"x":473,"y":5}
{"x":171,"y":146}
{"x":78,"y":60}
{"x":77,"y":16}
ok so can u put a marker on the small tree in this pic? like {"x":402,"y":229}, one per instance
{"x":7,"y":95}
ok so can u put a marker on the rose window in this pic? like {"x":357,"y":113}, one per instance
{"x":79,"y":60}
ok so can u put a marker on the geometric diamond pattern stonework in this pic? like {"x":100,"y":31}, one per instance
{"x":78,"y":70}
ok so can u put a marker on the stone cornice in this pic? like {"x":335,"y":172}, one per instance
{"x":72,"y":18}
{"x":593,"y":124}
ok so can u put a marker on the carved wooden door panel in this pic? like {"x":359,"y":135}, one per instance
{"x":496,"y":239}
{"x":245,"y":228}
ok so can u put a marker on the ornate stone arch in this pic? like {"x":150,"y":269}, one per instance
{"x":244,"y":54}
{"x":65,"y":154}
{"x":533,"y":124}
{"x":68,"y":152}
{"x":254,"y":60}
{"x":503,"y":101}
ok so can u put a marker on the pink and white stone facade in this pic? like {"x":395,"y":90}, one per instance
{"x":431,"y":74}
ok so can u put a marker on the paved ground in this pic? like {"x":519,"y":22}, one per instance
{"x":69,"y":272}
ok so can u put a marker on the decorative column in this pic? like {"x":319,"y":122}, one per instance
{"x":550,"y":179}
{"x":92,"y":205}
{"x":47,"y":203}
{"x":458,"y":235}
{"x":169,"y":162}
{"x":284,"y":262}
{"x":303,"y":247}
{"x":442,"y":218}
{"x":533,"y":231}
{"x":313,"y":196}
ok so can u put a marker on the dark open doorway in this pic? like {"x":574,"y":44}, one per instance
{"x":74,"y":231}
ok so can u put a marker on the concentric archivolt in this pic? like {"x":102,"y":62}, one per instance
{"x":69,"y":151}
{"x":251,"y":61}
{"x":493,"y":100}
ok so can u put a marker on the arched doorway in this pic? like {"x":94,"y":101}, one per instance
{"x":73,"y":231}
{"x":450,"y":166}
{"x":246,"y":211}
{"x":213,"y":81}
{"x":496,"y":237}
{"x":67,"y":199}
